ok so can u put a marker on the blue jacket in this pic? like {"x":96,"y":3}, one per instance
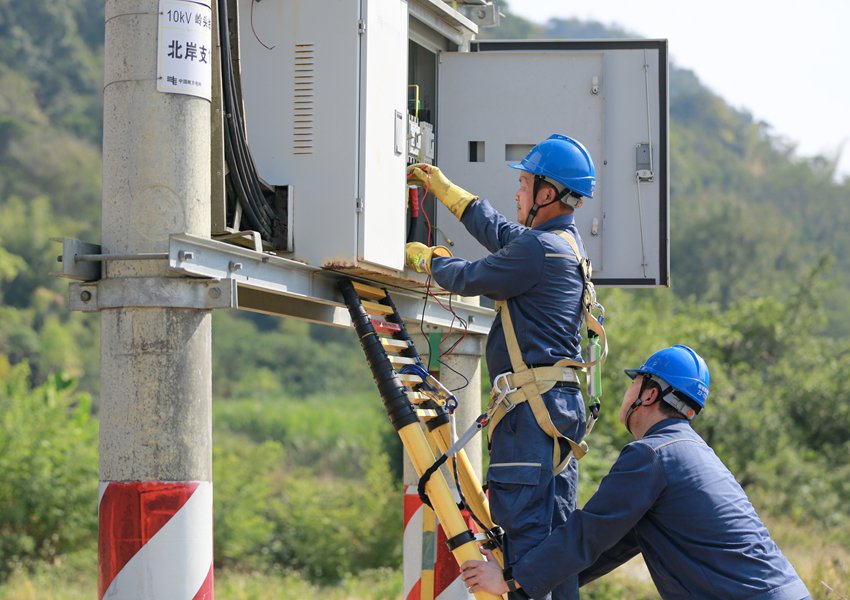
{"x":533,"y":267}
{"x":669,"y":497}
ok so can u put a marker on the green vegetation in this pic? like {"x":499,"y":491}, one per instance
{"x":48,"y":461}
{"x":306,"y":467}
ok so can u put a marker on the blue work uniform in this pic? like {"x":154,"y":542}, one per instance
{"x":670,"y":498}
{"x":537,"y":273}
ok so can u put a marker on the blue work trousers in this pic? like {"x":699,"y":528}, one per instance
{"x":526,"y":500}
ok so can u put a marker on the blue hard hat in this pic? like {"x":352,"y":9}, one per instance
{"x":681,"y":368}
{"x":564,"y":160}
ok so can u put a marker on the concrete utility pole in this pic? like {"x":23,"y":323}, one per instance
{"x":467,"y":360}
{"x":155,"y":510}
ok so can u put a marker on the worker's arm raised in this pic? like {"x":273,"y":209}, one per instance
{"x":491,"y":228}
{"x":511,"y":271}
{"x":454,"y":197}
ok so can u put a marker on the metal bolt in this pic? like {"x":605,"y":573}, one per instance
{"x":234,"y":266}
{"x":471,"y":319}
{"x":215,"y":292}
{"x":85,"y":295}
{"x":185,"y":255}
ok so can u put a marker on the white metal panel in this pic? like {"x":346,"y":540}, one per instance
{"x":609,"y":95}
{"x":383,"y":149}
{"x":510,"y":100}
{"x":300,"y":62}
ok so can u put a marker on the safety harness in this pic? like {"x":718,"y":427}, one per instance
{"x":528,"y":384}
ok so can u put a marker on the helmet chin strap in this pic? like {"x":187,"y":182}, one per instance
{"x":632,"y":408}
{"x":535,"y":207}
{"x":636,"y":403}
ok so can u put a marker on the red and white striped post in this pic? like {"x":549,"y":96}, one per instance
{"x":155,"y":509}
{"x":430,"y":569}
{"x":155,"y":540}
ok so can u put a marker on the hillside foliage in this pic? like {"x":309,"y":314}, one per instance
{"x":306,"y":466}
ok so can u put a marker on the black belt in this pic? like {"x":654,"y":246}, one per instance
{"x":567,"y":384}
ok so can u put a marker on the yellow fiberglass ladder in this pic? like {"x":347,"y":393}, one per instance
{"x":419,"y":408}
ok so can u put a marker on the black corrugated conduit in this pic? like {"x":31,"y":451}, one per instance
{"x":257,"y":208}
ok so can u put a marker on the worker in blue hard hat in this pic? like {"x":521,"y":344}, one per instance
{"x":668,"y":497}
{"x":538,"y":275}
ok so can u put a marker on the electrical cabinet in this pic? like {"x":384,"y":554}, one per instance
{"x":340,"y":95}
{"x":501,"y":98}
{"x":325,"y":93}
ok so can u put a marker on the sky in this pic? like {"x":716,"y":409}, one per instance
{"x":785,"y":62}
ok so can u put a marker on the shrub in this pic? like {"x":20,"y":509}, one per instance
{"x":48,"y":469}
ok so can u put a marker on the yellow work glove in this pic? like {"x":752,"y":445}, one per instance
{"x":455,"y":198}
{"x":418,"y":256}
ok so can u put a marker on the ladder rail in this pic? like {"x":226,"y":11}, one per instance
{"x":438,"y":428}
{"x":402,"y":414}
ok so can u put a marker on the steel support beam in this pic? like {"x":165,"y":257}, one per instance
{"x":280,"y":286}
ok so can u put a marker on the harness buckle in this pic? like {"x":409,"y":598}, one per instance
{"x":503,"y":389}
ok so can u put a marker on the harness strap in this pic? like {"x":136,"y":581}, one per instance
{"x":528,"y":385}
{"x":532,"y":391}
{"x":588,"y":303}
{"x":542,"y":374}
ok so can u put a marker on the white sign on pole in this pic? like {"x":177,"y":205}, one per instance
{"x":184,"y":47}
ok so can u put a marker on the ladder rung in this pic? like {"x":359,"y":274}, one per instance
{"x":416,"y":397}
{"x":373,"y":308}
{"x":401,"y":360}
{"x":394,"y":346}
{"x":409,"y":378}
{"x":382,"y":326}
{"x":368,"y":291}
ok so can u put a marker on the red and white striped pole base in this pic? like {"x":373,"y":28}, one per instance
{"x":155,"y":541}
{"x":430,"y":569}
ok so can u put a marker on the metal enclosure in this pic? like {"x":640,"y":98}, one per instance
{"x":325,"y":90}
{"x":497,"y":101}
{"x":326,"y":87}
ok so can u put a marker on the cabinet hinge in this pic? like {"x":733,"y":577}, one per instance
{"x":361,"y":26}
{"x":358,"y":204}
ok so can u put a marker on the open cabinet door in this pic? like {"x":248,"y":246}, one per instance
{"x":383,"y":133}
{"x":501,"y":98}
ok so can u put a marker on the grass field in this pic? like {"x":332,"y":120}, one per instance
{"x":823,"y":564}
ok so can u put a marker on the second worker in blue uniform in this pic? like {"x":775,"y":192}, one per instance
{"x":668,"y":497}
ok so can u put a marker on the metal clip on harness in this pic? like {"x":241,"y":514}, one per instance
{"x":501,"y":390}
